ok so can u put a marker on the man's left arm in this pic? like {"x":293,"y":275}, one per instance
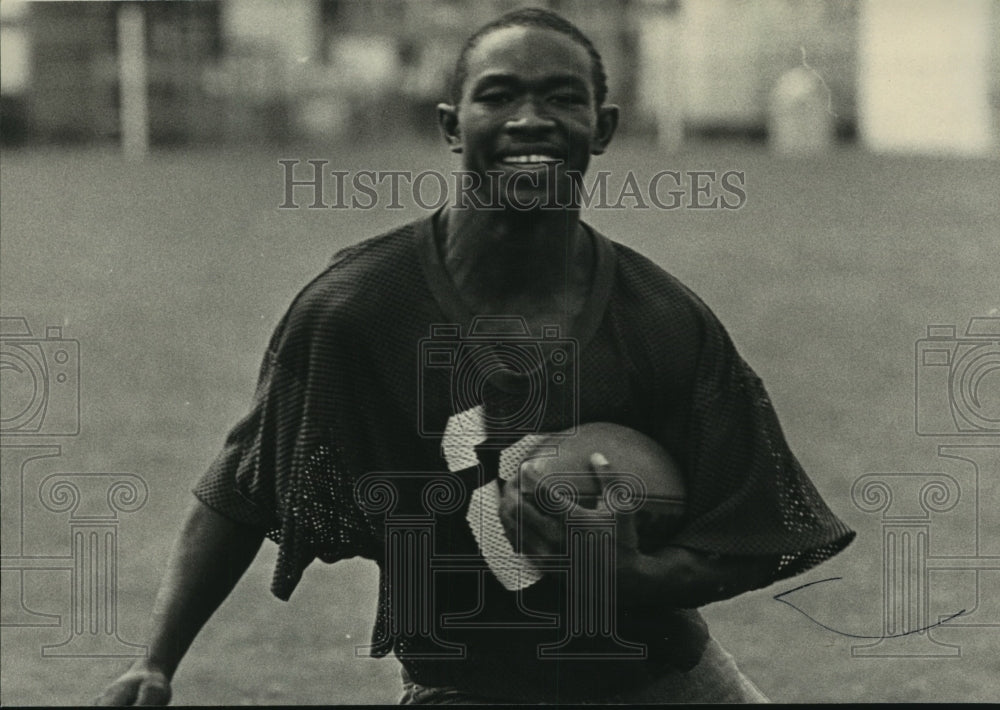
{"x":674,"y":576}
{"x":684,"y":578}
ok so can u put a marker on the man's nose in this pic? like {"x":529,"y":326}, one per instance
{"x":529,"y":118}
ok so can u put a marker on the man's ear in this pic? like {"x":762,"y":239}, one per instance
{"x":448,"y":121}
{"x":607,"y":123}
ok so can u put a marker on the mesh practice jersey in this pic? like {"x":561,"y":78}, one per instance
{"x":387,"y":418}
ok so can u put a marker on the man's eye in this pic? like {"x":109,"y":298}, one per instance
{"x":568,"y":99}
{"x":494,"y":97}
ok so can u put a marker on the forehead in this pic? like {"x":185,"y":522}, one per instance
{"x":529,"y":53}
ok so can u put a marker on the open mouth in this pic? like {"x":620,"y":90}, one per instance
{"x":528,"y":161}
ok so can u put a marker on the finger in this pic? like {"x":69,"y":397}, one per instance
{"x":540,"y":534}
{"x":153,"y":692}
{"x":528,"y":526}
{"x":581,"y":512}
{"x":598,"y":463}
{"x":529,"y":476}
{"x":121,"y":692}
{"x":626,"y":527}
{"x":599,"y":467}
{"x":507,"y":510}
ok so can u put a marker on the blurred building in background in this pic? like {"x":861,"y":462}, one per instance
{"x":257,"y":71}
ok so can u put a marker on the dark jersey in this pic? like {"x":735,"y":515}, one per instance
{"x":387,"y":419}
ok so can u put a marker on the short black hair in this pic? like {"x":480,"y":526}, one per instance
{"x":532,"y":17}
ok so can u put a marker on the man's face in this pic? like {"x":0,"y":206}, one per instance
{"x":527,"y":120}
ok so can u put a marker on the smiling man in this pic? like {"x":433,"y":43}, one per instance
{"x":401,"y":392}
{"x":537,"y":150}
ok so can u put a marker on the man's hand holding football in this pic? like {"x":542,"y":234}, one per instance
{"x":672,"y":575}
{"x":534,"y":531}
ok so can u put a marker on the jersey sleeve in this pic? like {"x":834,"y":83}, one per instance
{"x":240,"y":484}
{"x":747,"y":492}
{"x":285,"y":467}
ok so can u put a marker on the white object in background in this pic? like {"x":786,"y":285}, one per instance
{"x":134,"y":104}
{"x":662,"y":91}
{"x":800,"y":119}
{"x":290,"y":30}
{"x":923,"y":83}
{"x":15,"y":50}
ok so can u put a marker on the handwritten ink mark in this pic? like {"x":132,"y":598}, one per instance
{"x":781,"y":598}
{"x":826,"y":87}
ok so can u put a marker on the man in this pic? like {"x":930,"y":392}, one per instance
{"x":395,"y":401}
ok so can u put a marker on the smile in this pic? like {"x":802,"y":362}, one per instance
{"x":533,"y":159}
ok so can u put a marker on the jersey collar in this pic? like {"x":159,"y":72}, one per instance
{"x":584,"y":325}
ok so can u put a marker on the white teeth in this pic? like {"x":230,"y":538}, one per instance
{"x":524,"y":159}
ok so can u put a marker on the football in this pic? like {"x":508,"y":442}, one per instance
{"x":659,"y":513}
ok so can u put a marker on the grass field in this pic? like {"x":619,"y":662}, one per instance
{"x":172,"y":273}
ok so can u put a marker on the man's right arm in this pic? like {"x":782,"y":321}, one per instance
{"x":209,"y":557}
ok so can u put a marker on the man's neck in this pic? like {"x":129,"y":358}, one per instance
{"x":537,"y":262}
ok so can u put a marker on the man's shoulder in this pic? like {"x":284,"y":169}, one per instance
{"x":648,"y":285}
{"x":374,"y":254}
{"x":373,"y":267}
{"x":361,"y":282}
